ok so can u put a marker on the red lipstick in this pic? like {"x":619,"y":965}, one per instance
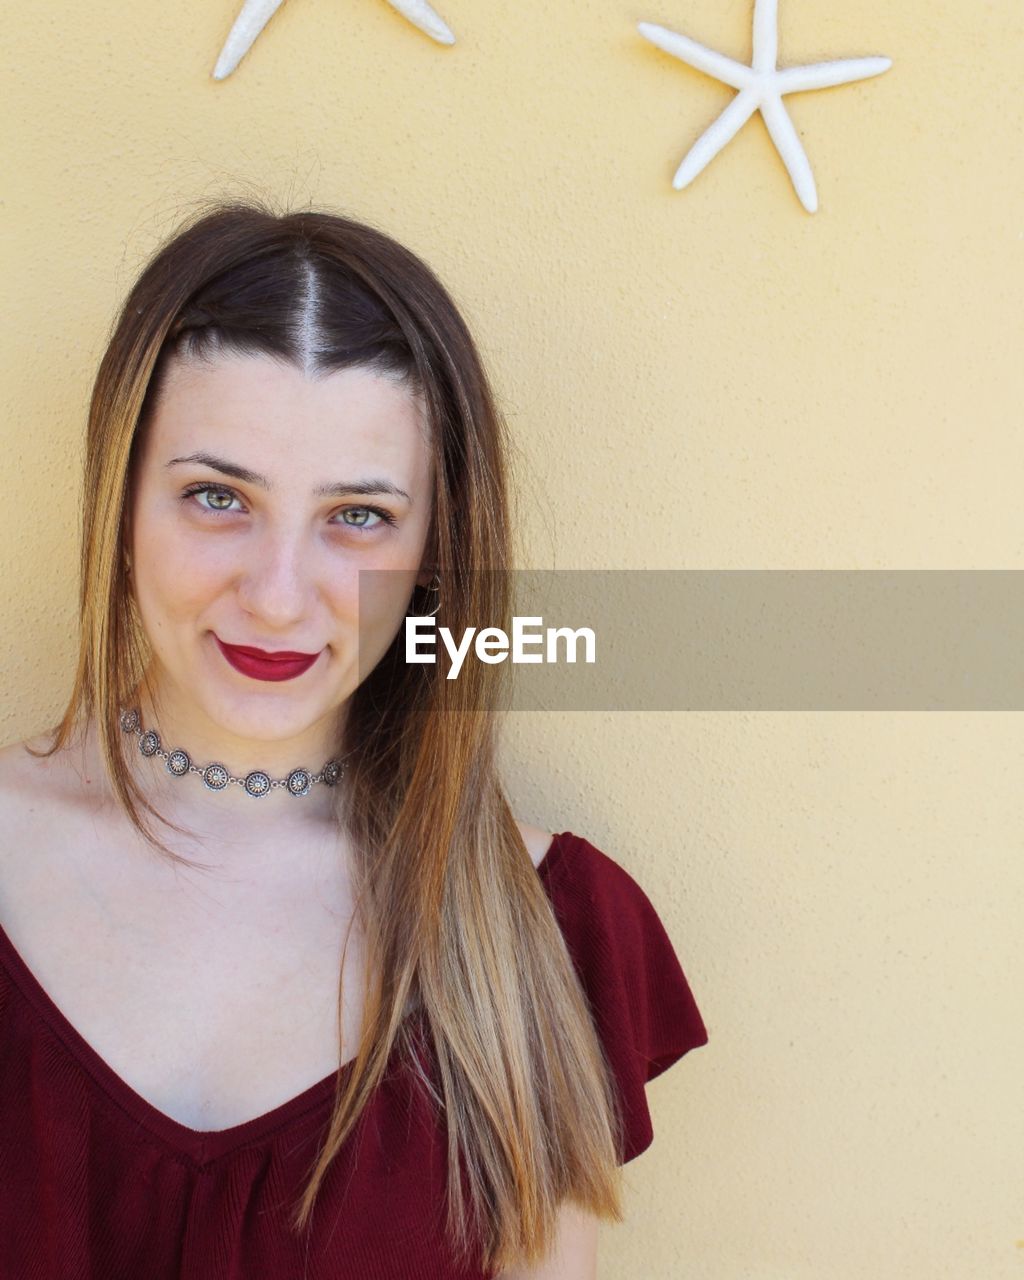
{"x":259,"y":664}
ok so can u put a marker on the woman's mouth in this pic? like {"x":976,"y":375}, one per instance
{"x":283,"y":664}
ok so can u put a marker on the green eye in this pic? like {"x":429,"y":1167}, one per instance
{"x":383,"y":517}
{"x":216,"y":491}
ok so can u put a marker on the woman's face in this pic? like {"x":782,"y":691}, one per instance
{"x":258,"y":497}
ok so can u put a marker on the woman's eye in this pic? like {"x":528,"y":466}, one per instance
{"x":363,"y":517}
{"x":220,"y":499}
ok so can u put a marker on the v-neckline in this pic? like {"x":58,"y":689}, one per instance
{"x":196,"y":1146}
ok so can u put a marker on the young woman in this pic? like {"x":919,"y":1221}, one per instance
{"x":285,"y":989}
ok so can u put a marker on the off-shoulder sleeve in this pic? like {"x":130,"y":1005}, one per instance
{"x":640,"y":998}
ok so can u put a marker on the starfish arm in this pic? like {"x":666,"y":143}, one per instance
{"x":766,"y":35}
{"x":714,"y":138}
{"x":820,"y":75}
{"x":421,"y":15}
{"x":697,"y":55}
{"x":788,"y":145}
{"x":252,"y":18}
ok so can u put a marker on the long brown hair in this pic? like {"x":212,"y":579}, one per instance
{"x":456,"y":920}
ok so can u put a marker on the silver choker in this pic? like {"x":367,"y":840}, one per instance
{"x":216,"y":777}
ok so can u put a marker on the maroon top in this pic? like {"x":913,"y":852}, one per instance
{"x":97,"y":1184}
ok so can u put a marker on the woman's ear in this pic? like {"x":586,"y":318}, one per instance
{"x":425,"y":576}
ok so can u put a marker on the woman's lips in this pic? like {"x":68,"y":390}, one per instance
{"x":271,"y":655}
{"x":283,"y":665}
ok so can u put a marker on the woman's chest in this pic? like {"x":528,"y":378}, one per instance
{"x":215,"y":1005}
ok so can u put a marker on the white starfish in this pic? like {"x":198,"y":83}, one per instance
{"x":255,"y":14}
{"x":761,"y":86}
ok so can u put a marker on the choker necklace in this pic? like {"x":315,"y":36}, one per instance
{"x":216,"y":777}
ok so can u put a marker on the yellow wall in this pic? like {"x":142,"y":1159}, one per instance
{"x":702,"y":379}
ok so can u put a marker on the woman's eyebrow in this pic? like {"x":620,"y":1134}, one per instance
{"x":341,"y":487}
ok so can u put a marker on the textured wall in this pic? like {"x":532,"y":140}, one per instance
{"x":702,"y":379}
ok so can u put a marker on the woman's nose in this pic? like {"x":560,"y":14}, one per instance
{"x":277,"y":583}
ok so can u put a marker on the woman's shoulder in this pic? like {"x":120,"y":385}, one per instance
{"x":537,"y":841}
{"x":31,"y":782}
{"x":629,"y":969}
{"x":25,"y":782}
{"x":49,"y":806}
